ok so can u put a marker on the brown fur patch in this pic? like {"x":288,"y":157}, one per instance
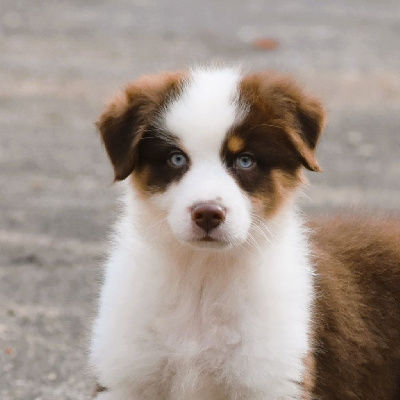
{"x":281,"y":130}
{"x":153,"y":172}
{"x":129,"y":115}
{"x":276,"y":104}
{"x":235,"y":144}
{"x":139,"y":180}
{"x":309,"y":377}
{"x":276,"y":190}
{"x":357,"y":310}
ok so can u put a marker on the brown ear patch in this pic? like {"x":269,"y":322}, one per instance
{"x":129,"y":114}
{"x":277,"y":103}
{"x":280,"y":131}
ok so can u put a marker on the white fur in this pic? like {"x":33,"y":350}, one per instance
{"x":201,"y":117}
{"x":178,"y":321}
{"x":206,"y":110}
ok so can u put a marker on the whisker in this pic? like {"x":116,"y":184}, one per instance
{"x":154,"y":228}
{"x":259,"y":225}
{"x":262,"y":233}
{"x":251,"y":240}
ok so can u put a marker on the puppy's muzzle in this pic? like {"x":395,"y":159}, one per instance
{"x":208,"y":215}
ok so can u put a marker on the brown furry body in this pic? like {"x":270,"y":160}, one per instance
{"x":357,"y":309}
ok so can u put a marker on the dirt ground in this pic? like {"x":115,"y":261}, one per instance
{"x":61,"y":60}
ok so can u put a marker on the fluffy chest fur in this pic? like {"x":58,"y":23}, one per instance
{"x":237,"y":323}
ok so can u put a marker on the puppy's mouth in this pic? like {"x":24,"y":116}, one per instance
{"x":207,"y":238}
{"x":209,"y":242}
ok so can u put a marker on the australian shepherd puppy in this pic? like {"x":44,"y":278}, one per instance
{"x":215,"y":289}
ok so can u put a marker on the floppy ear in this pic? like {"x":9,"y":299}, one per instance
{"x":120,"y":128}
{"x":299,"y":116}
{"x":128,"y":115}
{"x":309,"y":121}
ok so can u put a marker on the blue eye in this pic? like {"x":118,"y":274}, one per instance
{"x":177,"y":160}
{"x":245,"y":161}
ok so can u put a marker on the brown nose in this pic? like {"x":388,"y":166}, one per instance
{"x":208,"y":215}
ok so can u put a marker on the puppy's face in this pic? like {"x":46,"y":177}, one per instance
{"x":217,"y":153}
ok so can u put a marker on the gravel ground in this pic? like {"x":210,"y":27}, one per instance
{"x":60,"y":61}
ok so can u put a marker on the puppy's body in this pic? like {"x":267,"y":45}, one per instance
{"x":210,"y":291}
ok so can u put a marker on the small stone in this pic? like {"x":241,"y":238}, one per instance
{"x":266,"y":44}
{"x":9,"y":351}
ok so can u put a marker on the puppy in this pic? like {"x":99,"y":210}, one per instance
{"x":215,"y":289}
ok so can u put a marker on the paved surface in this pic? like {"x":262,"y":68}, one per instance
{"x":60,"y":61}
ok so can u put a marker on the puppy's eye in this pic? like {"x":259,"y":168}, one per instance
{"x":177,"y":160}
{"x":245,"y":161}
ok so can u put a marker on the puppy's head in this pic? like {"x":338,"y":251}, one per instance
{"x":214,"y":151}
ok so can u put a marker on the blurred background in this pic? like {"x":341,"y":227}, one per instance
{"x":59,"y":63}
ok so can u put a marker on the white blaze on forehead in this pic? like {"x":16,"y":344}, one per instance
{"x":206,"y":110}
